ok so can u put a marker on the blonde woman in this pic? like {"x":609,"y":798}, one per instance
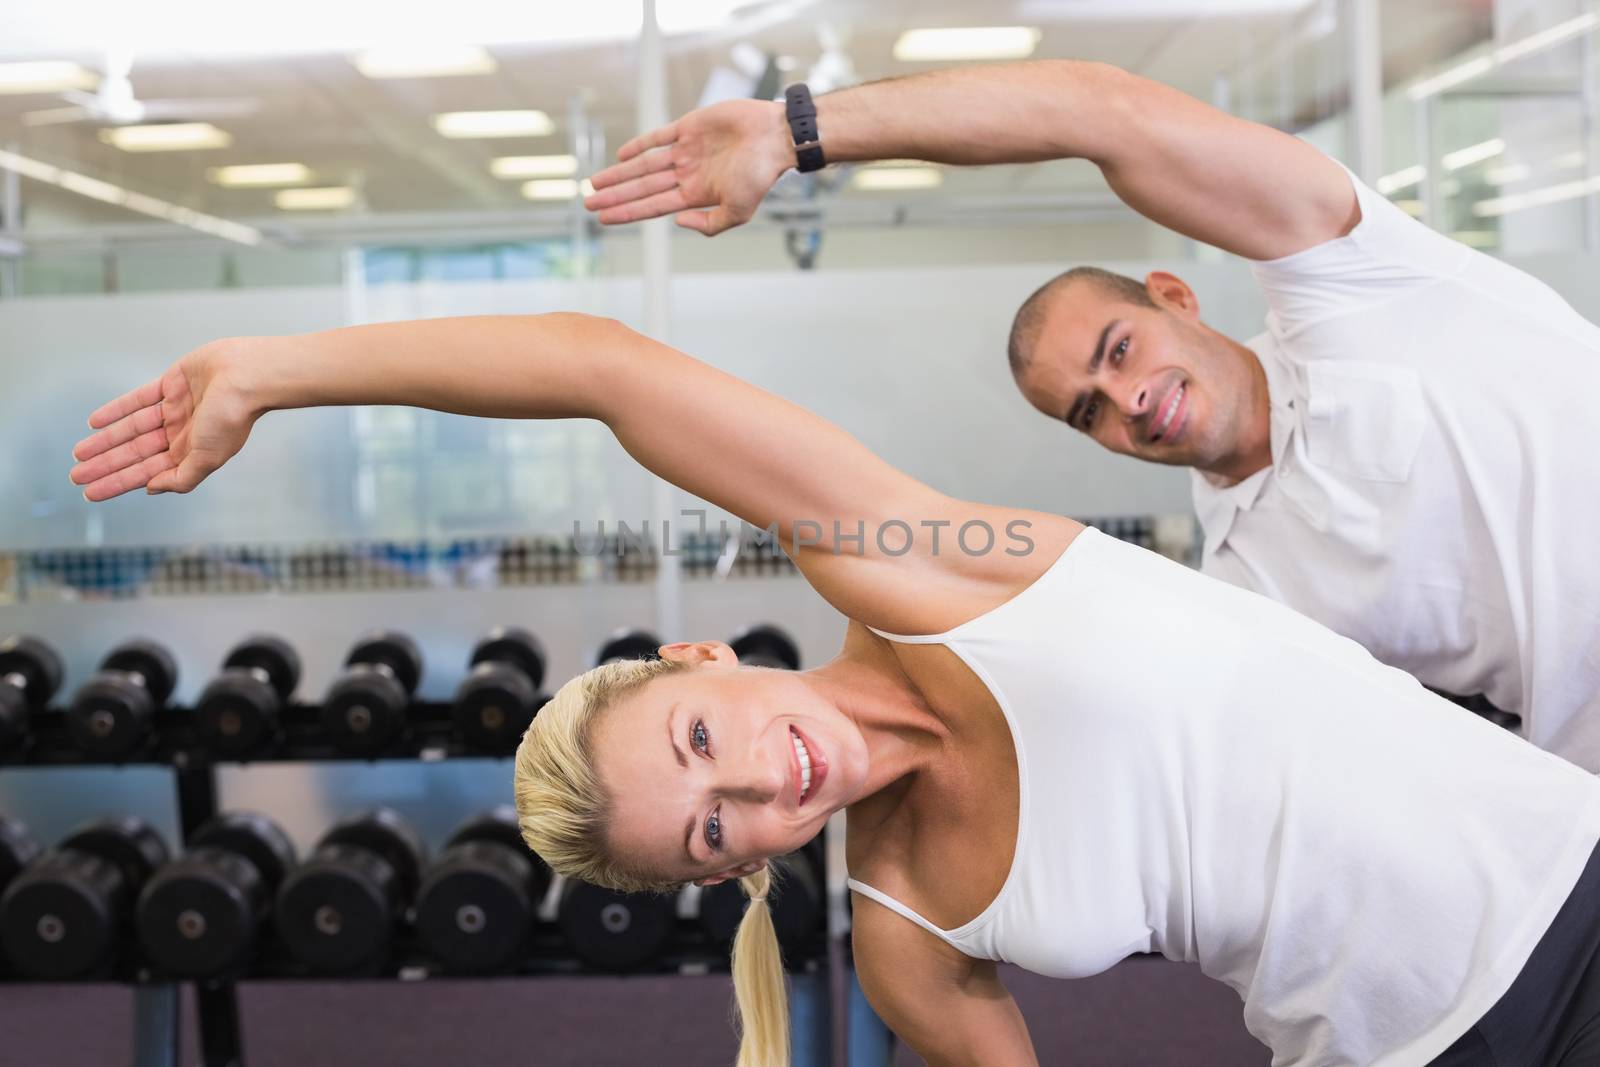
{"x":1053,"y":748}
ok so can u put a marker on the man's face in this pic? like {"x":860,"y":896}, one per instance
{"x":1148,"y":382}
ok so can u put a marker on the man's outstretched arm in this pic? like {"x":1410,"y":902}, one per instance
{"x":1241,"y":186}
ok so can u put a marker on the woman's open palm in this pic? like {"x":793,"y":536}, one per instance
{"x":167,"y":435}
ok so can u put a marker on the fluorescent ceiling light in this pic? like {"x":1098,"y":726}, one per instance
{"x":1569,"y":160}
{"x":1554,"y":194}
{"x":1477,"y":153}
{"x":1508,"y":173}
{"x":1401,"y":179}
{"x":322,"y":198}
{"x":108,"y":193}
{"x":44,"y":77}
{"x":1414,"y":208}
{"x":534,"y":167}
{"x":167,"y":137}
{"x":463,"y":124}
{"x":425,"y":61}
{"x":257,"y":174}
{"x":556,"y":188}
{"x":1530,"y":45}
{"x":897,"y":179}
{"x":970,"y":43}
{"x":1555,"y":35}
{"x":1473,"y":68}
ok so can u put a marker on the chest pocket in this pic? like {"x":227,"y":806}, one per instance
{"x":1364,"y":419}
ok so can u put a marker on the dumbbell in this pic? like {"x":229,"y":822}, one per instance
{"x":112,"y":714}
{"x":17,"y":850}
{"x":628,"y":644}
{"x":764,"y":645}
{"x":615,"y":932}
{"x":199,"y":916}
{"x":498,"y":698}
{"x":481,"y":897}
{"x":797,"y":905}
{"x":30,"y":674}
{"x":365,"y":709}
{"x":239,"y":711}
{"x":337,"y":910}
{"x":65,"y":914}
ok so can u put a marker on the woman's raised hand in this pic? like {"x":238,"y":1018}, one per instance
{"x":710,"y":169}
{"x":167,"y":435}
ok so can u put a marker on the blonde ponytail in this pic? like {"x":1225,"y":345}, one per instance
{"x":761,"y":1001}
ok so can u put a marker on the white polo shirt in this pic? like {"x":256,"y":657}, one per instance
{"x":1435,"y":486}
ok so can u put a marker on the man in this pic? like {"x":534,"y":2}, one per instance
{"x":1405,"y":455}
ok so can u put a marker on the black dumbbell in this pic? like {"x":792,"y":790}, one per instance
{"x":30,"y":674}
{"x":498,"y":698}
{"x":64,"y":916}
{"x":239,"y":711}
{"x":111,"y":715}
{"x":481,"y":897}
{"x":615,"y":932}
{"x":365,"y":709}
{"x":628,"y":644}
{"x":337,"y":911}
{"x":797,"y":906}
{"x":199,"y":915}
{"x":17,"y":850}
{"x":764,"y":645}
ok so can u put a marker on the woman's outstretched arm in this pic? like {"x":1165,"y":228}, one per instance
{"x":768,"y":461}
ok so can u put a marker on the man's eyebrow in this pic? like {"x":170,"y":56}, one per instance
{"x":1100,"y":348}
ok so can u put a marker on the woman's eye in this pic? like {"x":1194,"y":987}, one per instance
{"x":714,"y":831}
{"x":698,"y":737}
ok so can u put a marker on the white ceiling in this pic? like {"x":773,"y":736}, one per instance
{"x":1282,"y":64}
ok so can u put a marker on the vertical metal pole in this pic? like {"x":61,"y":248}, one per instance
{"x":10,"y":227}
{"x":1426,"y":112}
{"x":1591,"y":138}
{"x":581,"y":140}
{"x":155,"y":1026}
{"x":652,"y":112}
{"x":1364,"y":45}
{"x":217,"y":1003}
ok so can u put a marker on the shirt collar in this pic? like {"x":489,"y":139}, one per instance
{"x":1215,"y":502}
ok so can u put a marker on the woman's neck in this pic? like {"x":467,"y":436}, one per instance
{"x":903,"y":733}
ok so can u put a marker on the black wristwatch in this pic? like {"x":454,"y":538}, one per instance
{"x":802,"y":114}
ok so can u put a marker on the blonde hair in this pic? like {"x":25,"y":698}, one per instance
{"x":563,"y":812}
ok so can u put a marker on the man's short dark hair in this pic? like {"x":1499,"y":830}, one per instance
{"x":1025,"y":328}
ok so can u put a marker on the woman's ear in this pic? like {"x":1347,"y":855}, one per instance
{"x":700,"y":653}
{"x":742,"y":871}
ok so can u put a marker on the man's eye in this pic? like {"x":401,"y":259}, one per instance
{"x":1089,"y":412}
{"x":698,"y":737}
{"x":714,"y":831}
{"x":1120,"y":351}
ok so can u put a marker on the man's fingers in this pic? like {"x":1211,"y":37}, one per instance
{"x":128,"y":478}
{"x":618,"y":173}
{"x":123,"y":430}
{"x":668,"y":203}
{"x":131,"y":454}
{"x":126,"y":404}
{"x":656,"y":138}
{"x":628,"y":192}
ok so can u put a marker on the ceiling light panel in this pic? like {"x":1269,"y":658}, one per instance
{"x":534,"y":167}
{"x":325,"y":198}
{"x":44,"y":77}
{"x":948,"y":45}
{"x":469,"y":124}
{"x":425,"y":61}
{"x":167,"y":137}
{"x":260,"y":174}
{"x":897,"y":179}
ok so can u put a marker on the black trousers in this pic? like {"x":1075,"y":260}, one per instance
{"x":1550,"y":1017}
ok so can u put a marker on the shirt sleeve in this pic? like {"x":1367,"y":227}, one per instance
{"x":1387,"y":254}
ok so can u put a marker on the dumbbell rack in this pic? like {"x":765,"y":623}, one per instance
{"x":431,"y":736}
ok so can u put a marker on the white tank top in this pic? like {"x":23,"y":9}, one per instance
{"x":1206,"y":774}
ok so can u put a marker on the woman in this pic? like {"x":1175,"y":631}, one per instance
{"x":1077,"y":750}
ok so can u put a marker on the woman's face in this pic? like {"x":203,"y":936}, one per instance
{"x":707,"y":766}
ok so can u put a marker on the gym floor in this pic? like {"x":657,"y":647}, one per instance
{"x":1146,"y":1012}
